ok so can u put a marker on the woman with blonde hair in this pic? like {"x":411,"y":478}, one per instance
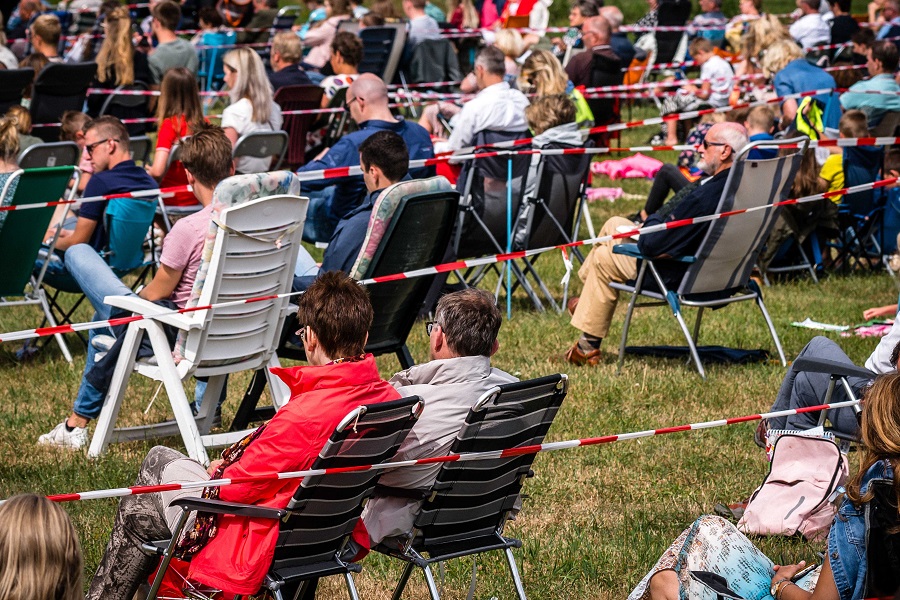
{"x":463,"y":14}
{"x":9,"y":154}
{"x":252,"y":108}
{"x":510,"y":42}
{"x":117,"y":62}
{"x":179,"y":114}
{"x":543,"y":75}
{"x":786,"y":63}
{"x":714,"y":545}
{"x":40,"y":556}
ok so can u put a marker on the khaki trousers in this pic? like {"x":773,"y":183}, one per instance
{"x":598,"y":301}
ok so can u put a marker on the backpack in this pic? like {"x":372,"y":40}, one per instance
{"x":797,"y":496}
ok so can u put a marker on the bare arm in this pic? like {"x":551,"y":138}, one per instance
{"x":158,"y":168}
{"x":163,"y":284}
{"x":84,"y":229}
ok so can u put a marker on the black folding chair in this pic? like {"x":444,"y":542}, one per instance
{"x":128,"y":106}
{"x":316,"y":525}
{"x":12,"y":86}
{"x":298,"y":97}
{"x":470,"y":502}
{"x":58,"y":88}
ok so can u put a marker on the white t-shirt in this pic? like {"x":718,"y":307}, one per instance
{"x":719,"y":73}
{"x":239,"y":116}
{"x":810,"y":30}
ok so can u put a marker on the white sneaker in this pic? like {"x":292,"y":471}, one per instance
{"x":63,"y":438}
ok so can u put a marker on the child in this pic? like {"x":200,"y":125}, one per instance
{"x":852,"y":125}
{"x":760,"y":123}
{"x":72,"y":130}
{"x":22,"y":117}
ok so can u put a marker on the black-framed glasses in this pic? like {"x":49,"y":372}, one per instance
{"x":429,"y":327}
{"x":90,"y":147}
{"x":349,"y":102}
{"x":302,"y":334}
{"x":707,"y":144}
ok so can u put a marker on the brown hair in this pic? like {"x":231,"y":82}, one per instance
{"x":418,"y":4}
{"x":385,"y":8}
{"x":854,"y":124}
{"x":339,"y":8}
{"x":47,"y":28}
{"x":547,"y":112}
{"x":22,"y":118}
{"x":892,"y":161}
{"x":886,"y":52}
{"x":700,"y":44}
{"x":116,"y":52}
{"x":72,"y":121}
{"x":207,"y":155}
{"x":350,"y":47}
{"x":40,"y":556}
{"x":807,"y":181}
{"x":371,"y":19}
{"x":880,"y":429}
{"x":178,"y":97}
{"x":338,"y":310}
{"x":470,"y":320}
{"x":36,"y":61}
{"x":168,"y":14}
{"x":287,"y":44}
{"x":109,"y":127}
{"x":387,"y":151}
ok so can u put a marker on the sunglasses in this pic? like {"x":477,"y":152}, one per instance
{"x":429,"y":327}
{"x":91,"y":147}
{"x":707,"y":144}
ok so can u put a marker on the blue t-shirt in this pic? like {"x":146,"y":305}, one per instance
{"x":762,"y":153}
{"x":801,"y":76}
{"x":350,"y":191}
{"x":124,"y":177}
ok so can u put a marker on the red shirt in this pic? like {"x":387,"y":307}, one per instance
{"x":238,"y":558}
{"x":172,"y":130}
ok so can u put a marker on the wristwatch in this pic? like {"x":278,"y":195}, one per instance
{"x":773,"y":591}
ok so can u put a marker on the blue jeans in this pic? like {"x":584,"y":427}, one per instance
{"x":319,"y":225}
{"x":97,"y":281}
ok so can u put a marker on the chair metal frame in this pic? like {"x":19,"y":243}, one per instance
{"x":48,"y":154}
{"x":675,"y":299}
{"x":254,"y":145}
{"x":440,"y":536}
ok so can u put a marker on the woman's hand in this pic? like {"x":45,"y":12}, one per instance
{"x":880,"y":311}
{"x":787,"y":571}
{"x":211,"y":469}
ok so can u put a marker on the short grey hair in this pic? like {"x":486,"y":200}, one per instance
{"x":614,"y":15}
{"x":733,"y":134}
{"x":470,"y":320}
{"x":492,"y":60}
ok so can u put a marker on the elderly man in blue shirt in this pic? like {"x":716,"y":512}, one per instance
{"x":882,"y":62}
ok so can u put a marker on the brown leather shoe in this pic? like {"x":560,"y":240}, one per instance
{"x":572,"y":304}
{"x":575,"y":356}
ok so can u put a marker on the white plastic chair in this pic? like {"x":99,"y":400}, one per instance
{"x":250,"y":252}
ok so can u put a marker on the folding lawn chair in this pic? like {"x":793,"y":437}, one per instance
{"x":140,"y":148}
{"x":466,"y":509}
{"x":410,"y":229}
{"x":298,"y":97}
{"x":488,"y":206}
{"x":250,"y":252}
{"x":316,"y":524}
{"x":551,"y":212}
{"x":860,"y":214}
{"x":263,"y":144}
{"x":52,"y":154}
{"x":12,"y":86}
{"x":719,"y":273}
{"x":128,"y":106}
{"x":378,"y":42}
{"x":21,"y":235}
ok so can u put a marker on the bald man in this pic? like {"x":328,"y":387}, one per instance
{"x":367,"y":101}
{"x":593,"y":311}
{"x":595,"y":35}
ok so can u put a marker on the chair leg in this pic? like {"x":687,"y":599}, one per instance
{"x":48,"y":314}
{"x":771,"y":326}
{"x":405,"y":357}
{"x":351,"y":587}
{"x":697,"y":326}
{"x":404,"y":579}
{"x":429,"y":581}
{"x":106,"y":422}
{"x":514,"y":571}
{"x":693,"y":347}
{"x":625,"y":325}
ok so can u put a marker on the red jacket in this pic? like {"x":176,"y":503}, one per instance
{"x":238,"y":558}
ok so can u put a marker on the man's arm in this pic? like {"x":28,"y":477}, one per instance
{"x":337,"y":156}
{"x":84,"y":229}
{"x":163,"y":284}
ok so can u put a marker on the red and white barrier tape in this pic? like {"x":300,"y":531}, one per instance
{"x":446,"y":267}
{"x":470,"y":456}
{"x":164,"y":192}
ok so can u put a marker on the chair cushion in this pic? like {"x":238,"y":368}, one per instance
{"x":231,"y":192}
{"x":383,"y":214}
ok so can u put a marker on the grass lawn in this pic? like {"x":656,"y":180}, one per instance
{"x":595,"y":519}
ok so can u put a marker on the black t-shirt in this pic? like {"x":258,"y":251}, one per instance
{"x":124,"y":177}
{"x":843,"y":28}
{"x":142,"y":73}
{"x":292,"y":75}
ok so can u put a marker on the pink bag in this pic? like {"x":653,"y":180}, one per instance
{"x":798,"y":494}
{"x":636,"y":166}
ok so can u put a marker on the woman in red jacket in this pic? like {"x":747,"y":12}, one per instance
{"x":340,"y":377}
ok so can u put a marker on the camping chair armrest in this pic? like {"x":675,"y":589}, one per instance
{"x":140,"y":306}
{"x":632,"y":251}
{"x":229,"y":508}
{"x":831,"y":367}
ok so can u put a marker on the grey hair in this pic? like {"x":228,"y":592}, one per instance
{"x":614,"y":15}
{"x":470,"y":321}
{"x":492,"y":59}
{"x":732,"y":134}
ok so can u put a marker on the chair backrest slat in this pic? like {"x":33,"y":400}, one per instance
{"x":729,"y":250}
{"x":472,"y":499}
{"x":58,"y":88}
{"x":325,"y":508}
{"x":52,"y":154}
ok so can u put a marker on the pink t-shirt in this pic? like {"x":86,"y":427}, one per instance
{"x":182,"y":249}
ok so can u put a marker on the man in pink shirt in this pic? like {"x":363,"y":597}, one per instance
{"x":207,"y":159}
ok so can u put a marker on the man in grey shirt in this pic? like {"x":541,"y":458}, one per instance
{"x":172,"y":51}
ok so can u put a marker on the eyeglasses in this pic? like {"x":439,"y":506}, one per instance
{"x":430,"y":325}
{"x":91,"y":147}
{"x":349,"y":102}
{"x":302,"y":334}
{"x":707,"y":144}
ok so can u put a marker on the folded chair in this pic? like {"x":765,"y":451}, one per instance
{"x":298,"y":97}
{"x":263,"y":144}
{"x":51,"y":154}
{"x":250,"y":251}
{"x":860,"y":214}
{"x":487,"y":207}
{"x":409,"y":229}
{"x":552,"y":207}
{"x":58,"y":88}
{"x":466,"y":509}
{"x":21,"y":235}
{"x":839,"y":374}
{"x":719,"y":273}
{"x":316,"y":524}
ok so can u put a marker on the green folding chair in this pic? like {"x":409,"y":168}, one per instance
{"x":22,"y":233}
